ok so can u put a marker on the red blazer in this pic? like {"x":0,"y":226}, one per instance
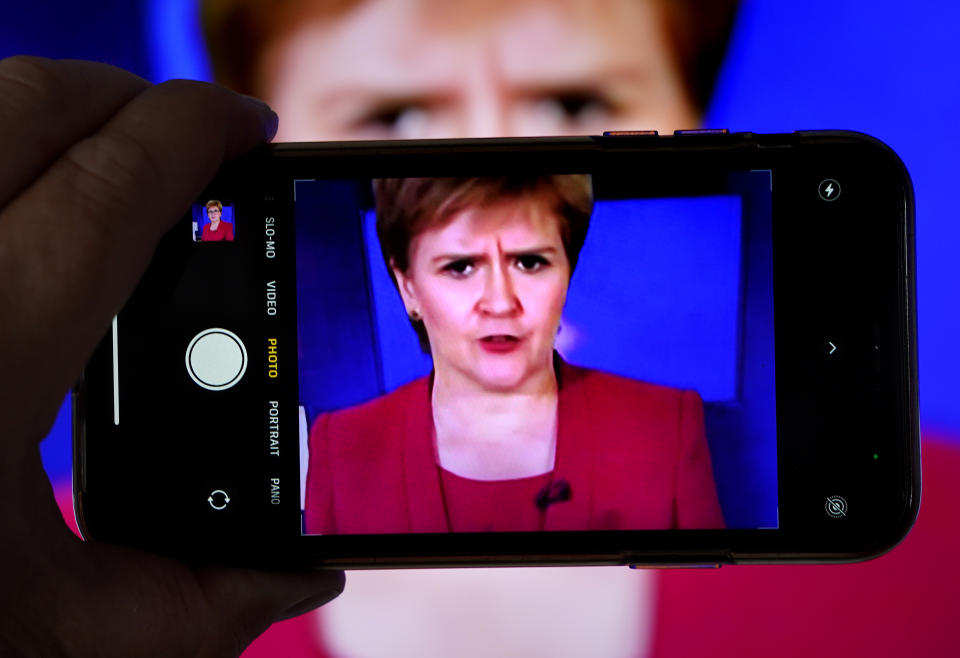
{"x":224,"y":233}
{"x":634,"y":455}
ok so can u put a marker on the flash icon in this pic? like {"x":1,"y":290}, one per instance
{"x":829,"y":189}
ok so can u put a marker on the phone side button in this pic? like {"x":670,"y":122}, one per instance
{"x":655,"y":565}
{"x":703,"y":131}
{"x":631,"y":133}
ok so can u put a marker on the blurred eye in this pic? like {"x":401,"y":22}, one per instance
{"x":573,"y":107}
{"x":396,"y":120}
{"x":459,"y":268}
{"x":531,"y":262}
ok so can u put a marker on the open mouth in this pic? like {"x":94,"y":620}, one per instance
{"x":499,"y":343}
{"x":500,"y":338}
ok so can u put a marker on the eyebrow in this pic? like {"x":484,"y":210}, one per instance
{"x":581,"y":79}
{"x":511,"y":254}
{"x":373,"y":98}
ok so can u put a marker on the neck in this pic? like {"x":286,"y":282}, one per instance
{"x":463,"y":411}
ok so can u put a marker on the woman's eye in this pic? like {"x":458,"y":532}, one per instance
{"x":461,"y":267}
{"x":531,"y":262}
{"x":574,"y":106}
{"x":396,"y":120}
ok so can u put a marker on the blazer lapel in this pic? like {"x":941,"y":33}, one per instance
{"x":421,"y":475}
{"x":574,"y":462}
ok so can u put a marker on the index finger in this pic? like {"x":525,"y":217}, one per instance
{"x":46,"y":106}
{"x":75,"y":242}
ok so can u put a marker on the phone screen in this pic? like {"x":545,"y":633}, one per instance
{"x":667,"y":315}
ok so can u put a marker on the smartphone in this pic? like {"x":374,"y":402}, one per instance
{"x":640,"y":349}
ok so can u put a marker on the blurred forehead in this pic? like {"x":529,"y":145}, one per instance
{"x":469,"y":17}
{"x":394,"y":44}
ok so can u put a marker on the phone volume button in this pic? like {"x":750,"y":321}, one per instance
{"x":702,"y":131}
{"x":631,"y":133}
{"x":673,"y":565}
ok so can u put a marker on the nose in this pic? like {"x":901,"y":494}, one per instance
{"x":499,"y":295}
{"x":484,"y":100}
{"x":485,"y":116}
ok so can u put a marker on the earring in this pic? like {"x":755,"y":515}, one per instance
{"x":415,"y":316}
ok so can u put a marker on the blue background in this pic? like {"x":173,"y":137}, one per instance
{"x":885,"y":68}
{"x":674,"y":291}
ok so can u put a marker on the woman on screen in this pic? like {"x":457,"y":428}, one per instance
{"x":503,"y":435}
{"x":217,"y":230}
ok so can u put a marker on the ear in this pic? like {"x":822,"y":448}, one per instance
{"x":408,"y":290}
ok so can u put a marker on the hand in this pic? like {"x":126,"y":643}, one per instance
{"x":97,"y":165}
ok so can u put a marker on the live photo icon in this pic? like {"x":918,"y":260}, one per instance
{"x":836,"y":507}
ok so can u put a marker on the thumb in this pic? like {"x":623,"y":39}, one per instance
{"x":249,"y":601}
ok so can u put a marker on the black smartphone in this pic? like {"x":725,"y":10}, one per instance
{"x":626,"y":349}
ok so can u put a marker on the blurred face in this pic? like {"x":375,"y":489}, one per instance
{"x":213,"y":213}
{"x":490,"y":287}
{"x":474,"y":68}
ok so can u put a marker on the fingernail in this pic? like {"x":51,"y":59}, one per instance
{"x":270,"y":125}
{"x":270,"y":119}
{"x":308,"y":604}
{"x":331,"y":584}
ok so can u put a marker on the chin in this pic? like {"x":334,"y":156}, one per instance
{"x":501,"y":382}
{"x":503,"y":373}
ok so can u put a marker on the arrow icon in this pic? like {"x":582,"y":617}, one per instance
{"x":218,"y":505}
{"x":833,"y":348}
